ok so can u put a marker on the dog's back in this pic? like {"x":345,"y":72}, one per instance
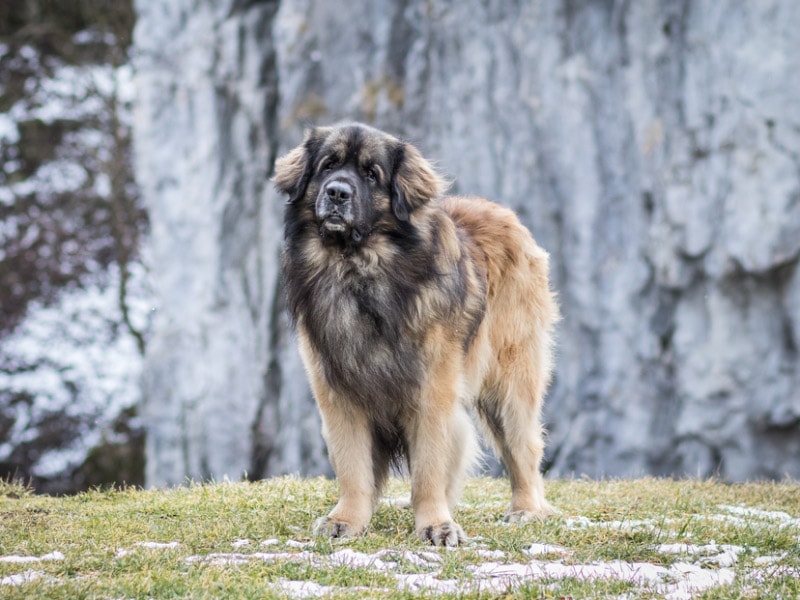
{"x":513,"y":361}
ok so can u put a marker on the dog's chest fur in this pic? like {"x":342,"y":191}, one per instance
{"x":357,"y":315}
{"x":367,"y":311}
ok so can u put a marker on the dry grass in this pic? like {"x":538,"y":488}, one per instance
{"x":217,"y":532}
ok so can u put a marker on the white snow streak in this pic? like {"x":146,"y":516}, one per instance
{"x":22,"y":578}
{"x":51,"y":556}
{"x":706,"y":566}
{"x":681,"y":581}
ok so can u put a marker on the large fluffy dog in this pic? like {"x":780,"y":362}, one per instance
{"x":413,"y":310}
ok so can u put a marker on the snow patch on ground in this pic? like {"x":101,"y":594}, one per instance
{"x":701,"y":567}
{"x":51,"y":556}
{"x":724,"y":555}
{"x":29,"y":576}
{"x":23,"y":578}
{"x":677,"y":582}
{"x":577,"y":523}
{"x":543,"y":549}
{"x":673,"y":582}
{"x":310,"y":589}
{"x":122,"y":552}
{"x":777,"y":516}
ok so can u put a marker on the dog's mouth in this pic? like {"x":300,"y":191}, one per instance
{"x":334,"y":224}
{"x":334,"y":227}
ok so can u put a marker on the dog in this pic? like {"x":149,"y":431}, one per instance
{"x":413,"y":312}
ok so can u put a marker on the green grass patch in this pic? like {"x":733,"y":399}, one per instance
{"x":252,"y":540}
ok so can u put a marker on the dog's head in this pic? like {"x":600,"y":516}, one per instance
{"x":353,"y":177}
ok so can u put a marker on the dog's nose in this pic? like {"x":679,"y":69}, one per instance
{"x":339,"y":191}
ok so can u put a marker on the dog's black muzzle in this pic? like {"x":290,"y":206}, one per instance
{"x":337,"y":207}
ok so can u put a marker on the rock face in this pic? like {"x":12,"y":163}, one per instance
{"x":652,"y":147}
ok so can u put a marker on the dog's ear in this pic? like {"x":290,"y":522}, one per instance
{"x":414,"y":181}
{"x":293,"y":171}
{"x":399,"y":206}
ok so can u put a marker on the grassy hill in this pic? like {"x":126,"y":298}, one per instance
{"x":619,"y":539}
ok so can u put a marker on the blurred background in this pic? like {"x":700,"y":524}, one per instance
{"x":653,"y":148}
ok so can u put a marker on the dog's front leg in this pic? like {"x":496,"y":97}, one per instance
{"x":349,"y":442}
{"x":436,"y":449}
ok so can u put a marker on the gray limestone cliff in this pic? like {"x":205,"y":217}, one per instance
{"x":653,"y":148}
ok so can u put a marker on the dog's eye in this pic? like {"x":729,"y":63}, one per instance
{"x":327,"y":165}
{"x":372,"y":176}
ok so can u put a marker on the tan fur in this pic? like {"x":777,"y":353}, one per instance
{"x":418,"y":179}
{"x":500,"y":370}
{"x":289,"y":168}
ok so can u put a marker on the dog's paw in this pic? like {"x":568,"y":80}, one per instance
{"x":330,"y":527}
{"x":448,"y":533}
{"x":523,"y":516}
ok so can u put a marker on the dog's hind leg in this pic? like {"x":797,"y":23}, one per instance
{"x":519,"y":436}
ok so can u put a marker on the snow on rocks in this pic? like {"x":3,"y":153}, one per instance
{"x":78,"y":335}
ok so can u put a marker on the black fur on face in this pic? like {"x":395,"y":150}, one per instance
{"x":350,"y":176}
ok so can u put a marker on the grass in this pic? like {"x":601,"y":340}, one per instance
{"x":103,"y":537}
